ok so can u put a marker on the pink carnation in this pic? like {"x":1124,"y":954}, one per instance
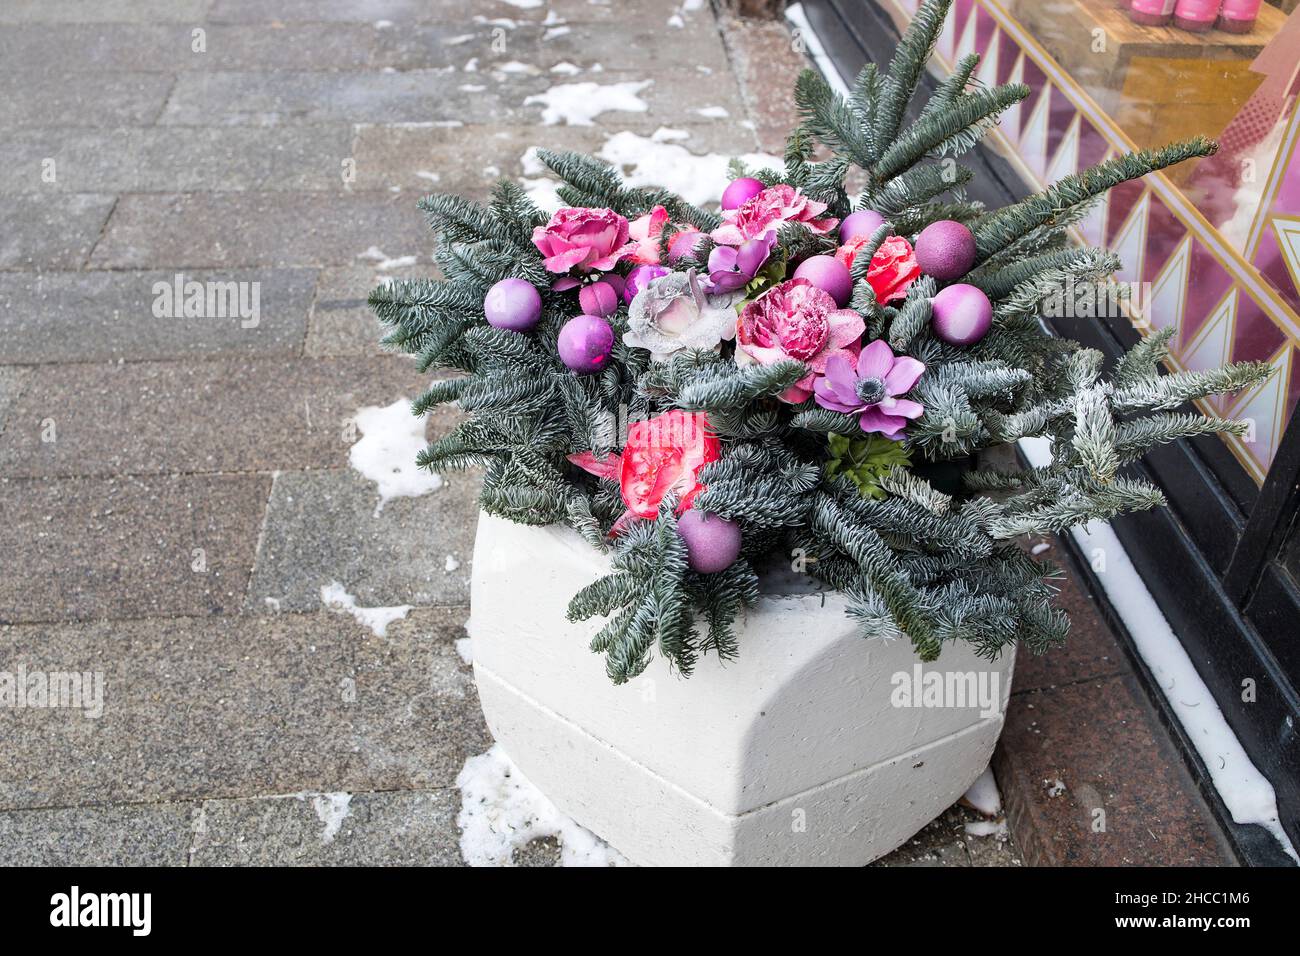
{"x":586,"y":240}
{"x":796,"y":320}
{"x":767,"y":210}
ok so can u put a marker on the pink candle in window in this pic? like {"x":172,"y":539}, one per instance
{"x":1238,"y":16}
{"x":1196,"y":15}
{"x":1151,"y":13}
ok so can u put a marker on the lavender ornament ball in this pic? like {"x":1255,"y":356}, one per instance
{"x":828,"y":274}
{"x":712,"y":543}
{"x":585,"y":343}
{"x":512,"y":304}
{"x":740,"y":191}
{"x":945,"y":250}
{"x":962,"y":314}
{"x":860,"y":225}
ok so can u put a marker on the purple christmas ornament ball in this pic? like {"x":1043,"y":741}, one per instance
{"x":828,"y":274}
{"x":962,"y":314}
{"x":712,"y":543}
{"x":740,"y":191}
{"x":599,"y":298}
{"x":945,"y":250}
{"x":639,"y":278}
{"x":860,"y":225}
{"x":513,"y":304}
{"x":585,"y":343}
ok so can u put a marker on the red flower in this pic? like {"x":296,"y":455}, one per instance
{"x":893,"y":267}
{"x":662,"y":455}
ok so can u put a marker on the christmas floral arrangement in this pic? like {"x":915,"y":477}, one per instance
{"x":799,"y":376}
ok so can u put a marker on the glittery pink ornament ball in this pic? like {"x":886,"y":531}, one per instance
{"x":962,"y":314}
{"x":712,"y":543}
{"x":513,"y":304}
{"x":945,"y":250}
{"x":585,"y":343}
{"x":860,"y":225}
{"x":740,"y":191}
{"x":828,"y":274}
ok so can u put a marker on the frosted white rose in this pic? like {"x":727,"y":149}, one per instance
{"x":673,"y":313}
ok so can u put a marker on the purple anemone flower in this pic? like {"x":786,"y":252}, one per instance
{"x":731,"y":268}
{"x":871,"y":389}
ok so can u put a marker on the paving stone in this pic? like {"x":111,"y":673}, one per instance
{"x":11,"y":385}
{"x":625,"y":45}
{"x":127,"y":547}
{"x":51,"y":231}
{"x":237,"y":706}
{"x":413,"y":828}
{"x":468,"y":160}
{"x":1071,"y":751}
{"x":101,"y":316}
{"x":156,"y":159}
{"x":81,"y":99}
{"x":227,"y":415}
{"x":341,"y":322}
{"x":38,"y":48}
{"x":767,"y":63}
{"x":138,"y":835}
{"x":322,"y":526}
{"x":269,"y":99}
{"x":103,"y":11}
{"x":456,"y":11}
{"x":219,"y":230}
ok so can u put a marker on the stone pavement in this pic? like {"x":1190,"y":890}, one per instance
{"x":175,"y":492}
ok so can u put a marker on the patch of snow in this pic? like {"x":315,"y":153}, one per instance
{"x":552,"y":18}
{"x":676,"y":21}
{"x":501,"y":811}
{"x":577,"y":104}
{"x":514,"y":66}
{"x":384,"y":262}
{"x":333,"y":809}
{"x":987,"y":828}
{"x":431,"y":177}
{"x":471,"y":65}
{"x":983,"y":794}
{"x":472,"y":88}
{"x":337,"y":599}
{"x":554,"y":32}
{"x":450,"y":564}
{"x":1055,"y":787}
{"x":383,"y":24}
{"x":713,"y":112}
{"x":496,"y":21}
{"x":697,"y":179}
{"x":566,"y":69}
{"x":458,"y":40}
{"x":273,"y":603}
{"x":385,"y":454}
{"x":665,"y":134}
{"x":1245,"y":791}
{"x":1040,"y":547}
{"x":524,"y":4}
{"x":465,"y":648}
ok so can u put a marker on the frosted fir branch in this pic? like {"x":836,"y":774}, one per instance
{"x":918,"y":186}
{"x":907,"y":67}
{"x":1170,"y":391}
{"x":1143,"y":360}
{"x":914,"y":316}
{"x":1094,"y":434}
{"x":1002,"y":229}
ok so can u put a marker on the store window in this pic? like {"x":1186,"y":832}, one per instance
{"x":1215,"y":244}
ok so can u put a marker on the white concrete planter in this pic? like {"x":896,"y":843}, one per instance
{"x":792,"y":754}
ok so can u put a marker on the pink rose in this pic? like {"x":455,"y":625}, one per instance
{"x":796,"y":320}
{"x":588,"y":240}
{"x":893,"y":268}
{"x":766,"y":211}
{"x":645,"y":232}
